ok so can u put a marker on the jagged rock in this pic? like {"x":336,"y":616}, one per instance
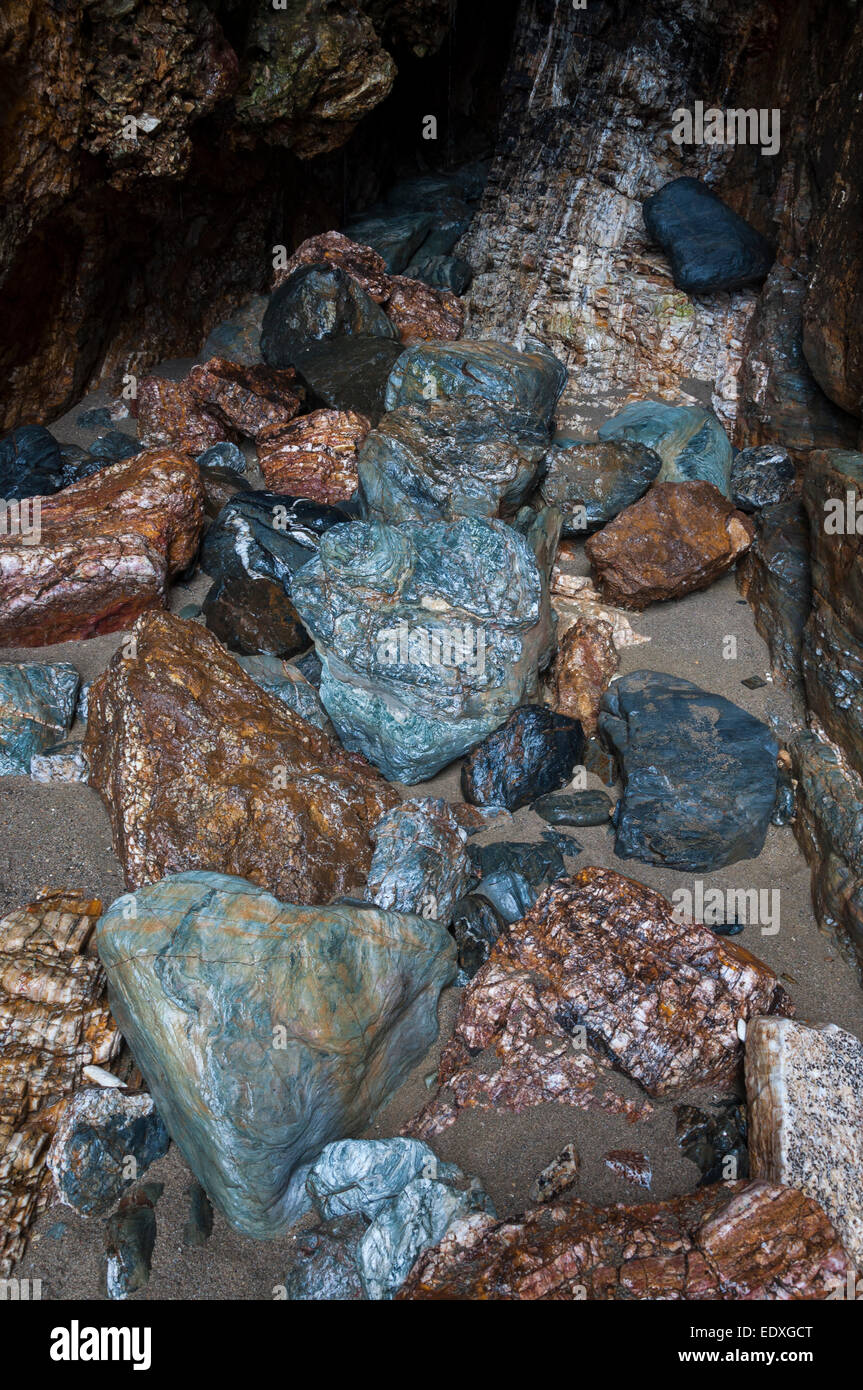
{"x":429,"y":635}
{"x":316,"y":456}
{"x":716,"y":1143}
{"x":65,"y":762}
{"x":539,"y":863}
{"x":324,"y":1263}
{"x":296,"y":1024}
{"x":679,"y":538}
{"x":238,"y":338}
{"x":441,"y":272}
{"x":107,"y":548}
{"x":447,"y":459}
{"x":37,"y":706}
{"x":288,"y":684}
{"x":251,"y":614}
{"x":199,"y":1226}
{"x":785,"y":805}
{"x":762,"y":477}
{"x":591,"y":482}
{"x":54,"y":1022}
{"x":574,"y":808}
{"x":575,"y":597}
{"x":476,"y":924}
{"x":226,"y":456}
{"x":130,"y":1239}
{"x":361,"y":263}
{"x":774,"y":577}
{"x":419,"y":864}
{"x":699,"y":773}
{"x":632,"y":1165}
{"x":318,"y":302}
{"x":527,"y":382}
{"x":600,"y":761}
{"x":804,"y":1090}
{"x":558,"y":1176}
{"x":253,"y":401}
{"x":169,"y":414}
{"x":534,"y":752}
{"x":690,"y":441}
{"x":31,"y":464}
{"x":418,"y":1218}
{"x":582,"y":670}
{"x":421,"y":313}
{"x":100,"y":1130}
{"x":710,"y":248}
{"x":394,"y":236}
{"x":349,"y":373}
{"x":737,"y":1240}
{"x":202,"y":769}
{"x":829,"y":827}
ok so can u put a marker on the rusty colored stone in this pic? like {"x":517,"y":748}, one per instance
{"x":202,"y":769}
{"x":247,"y":400}
{"x":54,"y":1021}
{"x":630,"y":1164}
{"x":169,"y":414}
{"x":316,"y":456}
{"x":360,"y":262}
{"x":107,"y":549}
{"x":727,"y":1241}
{"x":421,"y":313}
{"x":678,"y":538}
{"x":585,"y":662}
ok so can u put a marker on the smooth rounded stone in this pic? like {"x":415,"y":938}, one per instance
{"x":105,"y":1140}
{"x":202,"y":769}
{"x":591,"y":483}
{"x":253,"y":615}
{"x":318,"y":302}
{"x":534,"y":752}
{"x":225,"y":455}
{"x":170,"y":414}
{"x":239,"y":337}
{"x":31,"y":464}
{"x":441,"y":272}
{"x":716,"y":1143}
{"x":710,"y":248}
{"x":574,"y":808}
{"x":679,"y":538}
{"x":509,"y":893}
{"x":66,"y":762}
{"x":774,"y":577}
{"x":446,"y":459}
{"x":349,"y":373}
{"x":762,"y":477}
{"x":690,"y":441}
{"x":476,"y":924}
{"x":429,"y":635}
{"x":115,"y":446}
{"x":361,"y":263}
{"x":37,"y":706}
{"x":254,"y":402}
{"x":528,"y":382}
{"x":699,"y":773}
{"x":289,"y":685}
{"x":316,"y":456}
{"x":266,"y":1030}
{"x":419,"y":864}
{"x":584,"y":665}
{"x":266,"y":535}
{"x":395,"y":237}
{"x":130,"y":1239}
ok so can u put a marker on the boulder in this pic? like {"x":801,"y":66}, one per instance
{"x":226,"y":456}
{"x":238,"y":338}
{"x":690,"y":441}
{"x":441,"y":272}
{"x":170,"y":415}
{"x":318,"y":302}
{"x":349,"y":373}
{"x":592,"y":482}
{"x":419,"y":864}
{"x":31,"y":464}
{"x":528,"y":382}
{"x":583,"y":667}
{"x":420,"y":313}
{"x":316,"y":456}
{"x":710,"y":248}
{"x":251,"y":615}
{"x":534,"y":752}
{"x":762,"y":477}
{"x":100,"y":1130}
{"x":252,"y":401}
{"x":37,"y":706}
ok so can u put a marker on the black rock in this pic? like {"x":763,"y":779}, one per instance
{"x":254,"y":616}
{"x":199,"y":1226}
{"x":97,"y":418}
{"x":310,"y":666}
{"x":78,"y":464}
{"x":762,"y":477}
{"x":785,"y":807}
{"x":710,"y":1141}
{"x":115,"y":446}
{"x":600,"y":761}
{"x":267,"y":535}
{"x":574,"y":808}
{"x":130,"y":1238}
{"x":539,"y":863}
{"x":395,"y":236}
{"x":441,"y":272}
{"x":753,"y":682}
{"x":31,"y":464}
{"x":509,"y":893}
{"x":224,"y":455}
{"x":709,"y":246}
{"x":476,"y":925}
{"x":220,"y":486}
{"x":315,"y":303}
{"x":732,"y":928}
{"x":534,"y":752}
{"x":349,"y":373}
{"x":566,"y":844}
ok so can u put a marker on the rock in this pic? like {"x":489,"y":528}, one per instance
{"x":253,"y":401}
{"x":564,"y":844}
{"x":591,"y":483}
{"x":710,"y":248}
{"x":418,"y":1218}
{"x":774,"y":577}
{"x":632,"y":1165}
{"x":582,"y":670}
{"x":252,"y":615}
{"x":220,"y":486}
{"x":716,"y":1143}
{"x":676,"y":540}
{"x":115,"y":446}
{"x":170,"y":414}
{"x":78,"y":464}
{"x":318,"y":302}
{"x":534,"y":752}
{"x":316,"y":456}
{"x":441,"y":272}
{"x":539,"y":863}
{"x":527,"y":382}
{"x":575,"y":597}
{"x":103,"y":1133}
{"x":361,"y":263}
{"x":37,"y":706}
{"x":202,"y":769}
{"x":728,"y":1242}
{"x":324,"y":1263}
{"x":238,"y":338}
{"x":601,"y":762}
{"x":130,"y":1239}
{"x":429,"y":636}
{"x":558,"y":1176}
{"x":699,"y":773}
{"x":574,"y":808}
{"x":785,"y":805}
{"x":358,"y":1177}
{"x":419,"y":864}
{"x":107,"y":549}
{"x":54,"y":1022}
{"x":65,"y":762}
{"x":804,"y":1091}
{"x":288,"y":684}
{"x":421,"y":313}
{"x":99,"y":418}
{"x":349,"y":373}
{"x":762,"y":477}
{"x":296,"y":1024}
{"x":690,"y":441}
{"x":395,"y":237}
{"x":199,"y":1226}
{"x":440,"y":461}
{"x":221,"y":457}
{"x":31,"y":464}
{"x":476,"y":924}
{"x":829,"y":828}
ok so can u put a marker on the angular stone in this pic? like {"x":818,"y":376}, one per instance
{"x":349,"y":373}
{"x":361,"y":263}
{"x":574,"y":808}
{"x":632,"y":1165}
{"x":762,"y":477}
{"x":37,"y":706}
{"x":676,"y":540}
{"x":419,"y":864}
{"x":582,"y":670}
{"x":115,"y":446}
{"x":774,"y":577}
{"x":710,"y":248}
{"x":727,"y":1242}
{"x":220,"y":486}
{"x":253,"y":615}
{"x":267,"y":535}
{"x":558,"y":1176}
{"x":238,"y":338}
{"x":534,"y":752}
{"x":169,"y":414}
{"x":202,"y":769}
{"x":395,"y":237}
{"x":418,"y":1218}
{"x":420,"y":313}
{"x":130,"y":1239}
{"x":316,"y":456}
{"x":63,"y":763}
{"x":699,"y":773}
{"x":591,"y":483}
{"x":528,"y":382}
{"x":716,"y":1143}
{"x":107,"y":549}
{"x":31,"y":464}
{"x":429,"y":635}
{"x":100,"y":1130}
{"x":441,"y":272}
{"x":318,"y":302}
{"x":829,"y":827}
{"x":358,"y":1177}
{"x":296,"y":1024}
{"x":223,"y":456}
{"x":288,"y":684}
{"x":248,"y":400}
{"x":476,"y":925}
{"x":690,"y":441}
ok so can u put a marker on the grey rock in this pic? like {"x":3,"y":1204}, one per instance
{"x":419,"y":864}
{"x":67,"y":762}
{"x":762,"y":477}
{"x":225,"y":455}
{"x":349,"y":373}
{"x":115,"y":446}
{"x":476,"y":923}
{"x":418,"y":1218}
{"x":592,"y":482}
{"x":533,"y":752}
{"x":284,"y":680}
{"x":690,"y":441}
{"x":37,"y":704}
{"x":528,"y":382}
{"x":574,"y":808}
{"x":441,"y":272}
{"x":318,"y":302}
{"x":324,"y":1263}
{"x":129,"y":1240}
{"x":394,"y":236}
{"x":357,"y":1177}
{"x":105,"y":1140}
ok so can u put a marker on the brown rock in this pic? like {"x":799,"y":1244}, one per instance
{"x":558,"y":1176}
{"x":678,"y":538}
{"x":108,"y":547}
{"x":727,"y":1241}
{"x":360,"y":262}
{"x":54,"y":1021}
{"x":630,"y":1164}
{"x":202,"y":769}
{"x":421,"y":313}
{"x":168,"y":413}
{"x":316,"y":456}
{"x":249,"y":400}
{"x":582,"y":670}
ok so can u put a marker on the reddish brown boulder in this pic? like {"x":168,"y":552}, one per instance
{"x":107,"y":548}
{"x":248,"y":400}
{"x":360,"y":262}
{"x":421,"y":313}
{"x":582,"y":670}
{"x":727,"y":1241}
{"x":316,"y":456}
{"x":169,"y":414}
{"x":678,"y":538}
{"x":201,"y":768}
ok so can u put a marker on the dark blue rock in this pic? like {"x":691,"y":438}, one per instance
{"x":762,"y":477}
{"x":476,"y":923}
{"x":710,"y":248}
{"x":699,"y":773}
{"x":395,"y":236}
{"x":31,"y":464}
{"x":318,"y":302}
{"x":566,"y":844}
{"x":785,"y":807}
{"x":349,"y":373}
{"x":309,"y":665}
{"x":441,"y":272}
{"x":534,"y":752}
{"x":106,"y":1139}
{"x":37,"y":706}
{"x":266,"y":535}
{"x":538,"y":862}
{"x":419,"y":864}
{"x":591,"y":483}
{"x":224,"y":455}
{"x":574,"y":808}
{"x":115,"y":446}
{"x":528,"y":382}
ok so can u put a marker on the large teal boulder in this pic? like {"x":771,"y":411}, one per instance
{"x":527,"y":381}
{"x":690,"y":441}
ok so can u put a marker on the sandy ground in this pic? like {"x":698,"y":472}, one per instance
{"x":60,"y":835}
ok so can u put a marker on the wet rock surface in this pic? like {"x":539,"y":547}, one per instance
{"x":690,"y":441}
{"x":528,"y":382}
{"x":574,"y":808}
{"x":349,"y":373}
{"x":534,"y":752}
{"x":592,"y":482}
{"x":318,"y":302}
{"x":104,"y":1135}
{"x":582,"y":670}
{"x":419,"y":864}
{"x":31,"y":464}
{"x":715,"y":1142}
{"x":762,"y":476}
{"x":774,"y":576}
{"x":316,"y":456}
{"x":254,"y":402}
{"x":709,"y":246}
{"x":130,"y":1240}
{"x":37,"y":706}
